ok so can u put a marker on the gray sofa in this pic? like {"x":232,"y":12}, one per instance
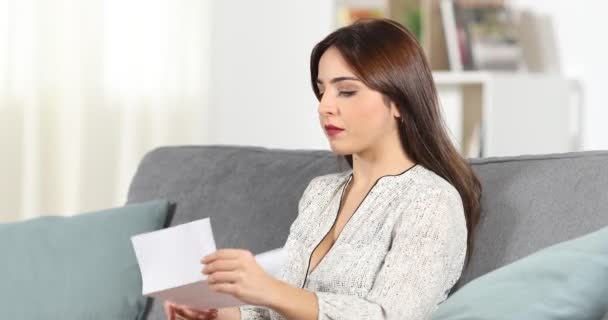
{"x":251,"y":195}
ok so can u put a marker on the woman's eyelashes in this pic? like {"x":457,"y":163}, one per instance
{"x":347,"y":93}
{"x":341,"y":93}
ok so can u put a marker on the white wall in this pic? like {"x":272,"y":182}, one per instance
{"x":580,"y":27}
{"x":261,"y":92}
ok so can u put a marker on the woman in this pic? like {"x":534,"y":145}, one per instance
{"x":387,"y":239}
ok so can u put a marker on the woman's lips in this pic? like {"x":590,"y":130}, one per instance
{"x":333,"y":131}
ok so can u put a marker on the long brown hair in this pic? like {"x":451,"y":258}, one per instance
{"x":387,"y":58}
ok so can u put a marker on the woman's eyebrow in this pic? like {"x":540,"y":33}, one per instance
{"x":338,"y":79}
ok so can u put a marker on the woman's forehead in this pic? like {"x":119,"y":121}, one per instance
{"x":332,"y":65}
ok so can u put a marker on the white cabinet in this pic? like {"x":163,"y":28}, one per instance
{"x":504,"y":114}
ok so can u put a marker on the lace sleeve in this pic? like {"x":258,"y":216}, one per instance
{"x":249,"y":312}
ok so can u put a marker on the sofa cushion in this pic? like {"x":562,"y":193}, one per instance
{"x":79,"y":267}
{"x":567,"y":281}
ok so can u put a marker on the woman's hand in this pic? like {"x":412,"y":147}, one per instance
{"x":174,"y":311}
{"x":236,"y":272}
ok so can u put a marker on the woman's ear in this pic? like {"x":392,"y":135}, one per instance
{"x":392,"y":107}
{"x":395,"y":110}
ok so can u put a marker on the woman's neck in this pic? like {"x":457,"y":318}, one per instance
{"x":368,"y":167}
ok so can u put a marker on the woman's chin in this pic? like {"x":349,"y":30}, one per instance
{"x":339,"y":150}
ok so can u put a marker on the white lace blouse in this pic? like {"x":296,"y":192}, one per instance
{"x":397,"y":257}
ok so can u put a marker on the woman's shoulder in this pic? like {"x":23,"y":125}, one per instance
{"x":426,"y":196}
{"x":433,"y":199}
{"x":425,"y":183}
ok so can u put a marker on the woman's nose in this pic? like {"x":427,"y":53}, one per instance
{"x":327,"y":105}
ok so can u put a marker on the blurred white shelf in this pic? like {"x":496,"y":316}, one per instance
{"x":476,"y":77}
{"x":509,"y":113}
{"x":447,"y":77}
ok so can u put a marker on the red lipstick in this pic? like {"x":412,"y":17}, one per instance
{"x":332,"y":130}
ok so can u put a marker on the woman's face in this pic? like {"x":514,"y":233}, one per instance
{"x":349,"y":104}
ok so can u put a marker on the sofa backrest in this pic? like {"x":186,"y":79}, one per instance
{"x":251,"y":196}
{"x":531,"y":202}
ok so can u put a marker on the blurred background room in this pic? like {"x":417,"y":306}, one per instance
{"x":87,"y":87}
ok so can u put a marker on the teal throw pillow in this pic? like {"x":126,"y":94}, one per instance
{"x":78,"y":267}
{"x":567,"y":281}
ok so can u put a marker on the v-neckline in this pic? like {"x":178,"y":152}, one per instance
{"x":337,"y":211}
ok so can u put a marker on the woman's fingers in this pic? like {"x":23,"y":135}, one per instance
{"x":221,"y":265}
{"x":221,"y":276}
{"x":170,"y":310}
{"x":224,"y":254}
{"x":183,"y":315}
{"x":194,"y":314}
{"x":173,"y":309}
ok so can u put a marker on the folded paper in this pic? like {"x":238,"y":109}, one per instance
{"x":169,"y":262}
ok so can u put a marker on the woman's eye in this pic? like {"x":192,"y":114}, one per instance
{"x":347,"y":93}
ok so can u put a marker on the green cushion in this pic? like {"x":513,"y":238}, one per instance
{"x":79,"y":267}
{"x":566,"y":281}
